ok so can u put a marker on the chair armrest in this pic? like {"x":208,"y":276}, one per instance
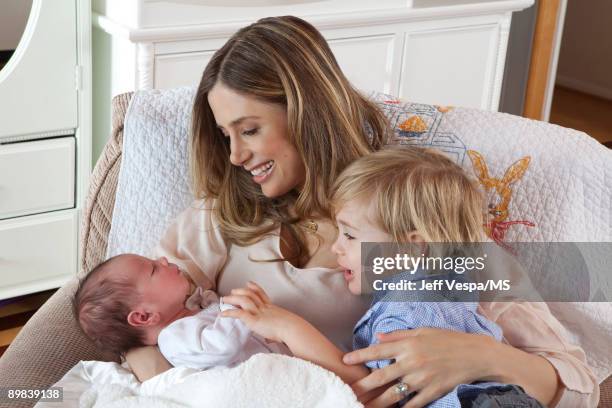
{"x":98,"y":210}
{"x":48,"y":346}
{"x":605,"y":393}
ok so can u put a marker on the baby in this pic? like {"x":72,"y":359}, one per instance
{"x":406,"y":196}
{"x":130,"y":301}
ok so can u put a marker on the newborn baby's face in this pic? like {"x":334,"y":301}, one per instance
{"x":162,"y":285}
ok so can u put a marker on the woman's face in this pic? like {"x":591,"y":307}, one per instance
{"x":257,"y":134}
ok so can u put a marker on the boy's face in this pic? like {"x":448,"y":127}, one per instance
{"x":162,"y":286}
{"x":354,"y":227}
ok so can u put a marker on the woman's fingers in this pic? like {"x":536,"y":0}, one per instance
{"x":376,"y":352}
{"x":420,"y":399}
{"x":378,"y":378}
{"x":423,"y":397}
{"x":398,"y":335}
{"x":386,"y":399}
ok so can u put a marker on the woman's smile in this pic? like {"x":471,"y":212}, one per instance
{"x":262,"y":172}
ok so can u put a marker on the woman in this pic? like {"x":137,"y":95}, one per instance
{"x":274,"y":122}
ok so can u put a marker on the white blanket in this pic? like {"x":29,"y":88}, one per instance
{"x":566,"y":190}
{"x":265,"y":380}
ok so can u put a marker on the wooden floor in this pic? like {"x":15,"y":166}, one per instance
{"x":584,"y":112}
{"x":16,"y":313}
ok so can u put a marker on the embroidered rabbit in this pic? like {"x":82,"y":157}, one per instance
{"x":499,"y":192}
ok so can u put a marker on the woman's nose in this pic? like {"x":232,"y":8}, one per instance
{"x":238,"y":153}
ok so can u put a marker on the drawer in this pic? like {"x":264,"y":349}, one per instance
{"x":37,"y":252}
{"x":460,"y":72}
{"x":183,"y":69}
{"x":379,"y":71}
{"x":36,"y":177}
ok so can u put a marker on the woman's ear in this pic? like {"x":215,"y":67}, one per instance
{"x":139,"y":318}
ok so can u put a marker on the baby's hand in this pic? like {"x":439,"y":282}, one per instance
{"x":258,"y":313}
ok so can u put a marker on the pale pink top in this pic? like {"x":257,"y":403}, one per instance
{"x":319,"y":295}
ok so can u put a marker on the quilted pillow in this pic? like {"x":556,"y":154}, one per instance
{"x":558,"y":175}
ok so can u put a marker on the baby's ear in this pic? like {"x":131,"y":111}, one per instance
{"x":139,"y":318}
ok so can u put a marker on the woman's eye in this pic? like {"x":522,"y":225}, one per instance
{"x":250,"y":132}
{"x":348,"y":236}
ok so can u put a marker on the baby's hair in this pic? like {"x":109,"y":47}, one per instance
{"x":413,"y":189}
{"x":101,"y":304}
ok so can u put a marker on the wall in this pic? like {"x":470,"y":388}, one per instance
{"x":518,"y":57}
{"x":13,"y":18}
{"x":101,"y":97}
{"x":585,"y":63}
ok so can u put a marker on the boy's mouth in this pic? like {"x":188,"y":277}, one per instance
{"x":348,"y":275}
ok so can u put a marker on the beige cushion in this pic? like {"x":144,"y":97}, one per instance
{"x":605,"y":399}
{"x":102,"y":187}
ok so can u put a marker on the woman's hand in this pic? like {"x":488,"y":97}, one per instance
{"x":146,"y":362}
{"x":259,"y":313}
{"x":430,"y":361}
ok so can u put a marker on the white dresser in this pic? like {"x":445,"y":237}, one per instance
{"x":432,"y":51}
{"x":45,"y":147}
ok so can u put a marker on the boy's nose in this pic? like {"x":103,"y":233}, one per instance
{"x":164,"y":261}
{"x":336,"y":248}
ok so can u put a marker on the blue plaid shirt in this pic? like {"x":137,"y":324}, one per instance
{"x":389,"y":312}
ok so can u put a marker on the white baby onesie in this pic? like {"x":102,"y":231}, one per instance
{"x":206,"y":340}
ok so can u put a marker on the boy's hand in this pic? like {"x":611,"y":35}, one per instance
{"x":278,"y":324}
{"x":258,"y":313}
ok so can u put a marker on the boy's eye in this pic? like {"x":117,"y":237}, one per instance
{"x":250,"y":132}
{"x":348,"y":236}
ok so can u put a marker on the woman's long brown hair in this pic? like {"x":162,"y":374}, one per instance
{"x":282,"y":60}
